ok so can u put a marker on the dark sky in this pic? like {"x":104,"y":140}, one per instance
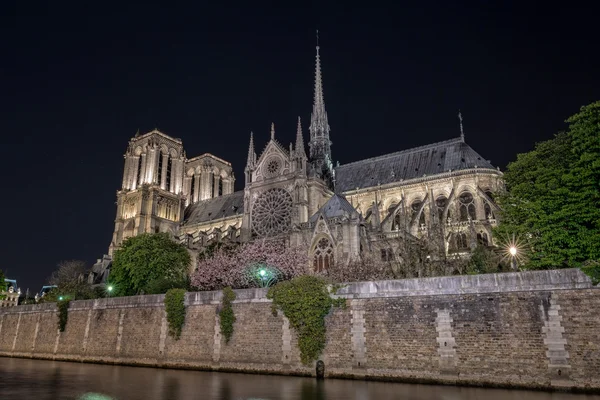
{"x":78,"y":80}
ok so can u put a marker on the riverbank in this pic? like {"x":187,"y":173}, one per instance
{"x":534,"y":330}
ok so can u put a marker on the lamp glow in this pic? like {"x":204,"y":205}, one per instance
{"x":513,"y":251}
{"x":60,"y":298}
{"x":262,"y":272}
{"x":110,"y":288}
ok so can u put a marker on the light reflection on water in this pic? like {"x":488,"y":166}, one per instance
{"x":41,"y":380}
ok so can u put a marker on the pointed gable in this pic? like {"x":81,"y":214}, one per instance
{"x":336,"y":206}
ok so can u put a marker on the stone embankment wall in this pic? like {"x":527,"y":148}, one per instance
{"x":531,"y":329}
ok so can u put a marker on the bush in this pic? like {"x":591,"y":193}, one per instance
{"x":63,"y":314}
{"x":175,"y":308}
{"x":162,"y":285}
{"x":226,"y":315}
{"x":592,"y":269}
{"x":305,"y":301}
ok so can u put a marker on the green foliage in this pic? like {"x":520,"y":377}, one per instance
{"x":162,"y":285}
{"x":553,"y":195}
{"x":63,"y":313}
{"x":147,"y":258}
{"x":592,"y":269}
{"x":175,"y":308}
{"x":484,"y":260}
{"x":305,"y":301}
{"x":226,"y":315}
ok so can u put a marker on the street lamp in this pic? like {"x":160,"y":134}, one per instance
{"x":513,"y":257}
{"x":109,"y":289}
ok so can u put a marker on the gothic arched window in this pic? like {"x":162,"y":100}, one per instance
{"x":323,"y":255}
{"x":488,"y":211}
{"x":139,"y":170}
{"x":461,"y":241}
{"x":440,"y":204}
{"x":416,"y":206}
{"x":192,"y":188}
{"x":482,"y":239}
{"x":169,"y":168}
{"x":467,"y":207}
{"x":160,"y":167}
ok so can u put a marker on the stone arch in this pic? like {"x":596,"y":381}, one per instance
{"x":173,"y":153}
{"x":138,"y":151}
{"x":190,"y":172}
{"x":164,"y":149}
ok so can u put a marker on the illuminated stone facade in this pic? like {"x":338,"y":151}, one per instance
{"x":442,"y":192}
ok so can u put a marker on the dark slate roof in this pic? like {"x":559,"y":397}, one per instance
{"x":207,"y":210}
{"x":336,"y":206}
{"x":436,"y":158}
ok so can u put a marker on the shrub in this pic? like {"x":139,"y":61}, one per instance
{"x":175,"y":308}
{"x":63,"y":313}
{"x":226,"y":315}
{"x":305,"y":301}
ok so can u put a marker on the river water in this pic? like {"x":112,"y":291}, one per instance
{"x":50,"y":380}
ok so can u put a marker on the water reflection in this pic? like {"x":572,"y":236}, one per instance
{"x":41,"y":380}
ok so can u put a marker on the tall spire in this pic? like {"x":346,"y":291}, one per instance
{"x":251,"y":153}
{"x":462,"y":133}
{"x":319,"y":144}
{"x":300,"y":141}
{"x":272,"y":130}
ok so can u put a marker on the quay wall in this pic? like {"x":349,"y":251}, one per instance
{"x":538,"y":330}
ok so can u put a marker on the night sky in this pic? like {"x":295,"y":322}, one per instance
{"x":78,"y":80}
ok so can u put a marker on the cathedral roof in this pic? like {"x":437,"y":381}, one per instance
{"x":336,"y":206}
{"x":219,"y":207}
{"x":436,"y":158}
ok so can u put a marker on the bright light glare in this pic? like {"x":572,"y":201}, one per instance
{"x":110,"y":288}
{"x":262,"y":272}
{"x":513,"y":251}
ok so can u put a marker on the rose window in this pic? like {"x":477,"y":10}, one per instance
{"x":271,"y":213}
{"x":272,"y":167}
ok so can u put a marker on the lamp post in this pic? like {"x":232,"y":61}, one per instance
{"x":513,"y":257}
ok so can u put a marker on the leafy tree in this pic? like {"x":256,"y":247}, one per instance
{"x":553,"y":197}
{"x":70,"y":282}
{"x":149,"y":263}
{"x":485,"y":260}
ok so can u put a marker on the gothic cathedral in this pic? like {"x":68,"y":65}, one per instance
{"x":443,"y":192}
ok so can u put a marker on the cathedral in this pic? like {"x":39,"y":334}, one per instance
{"x":443,"y":192}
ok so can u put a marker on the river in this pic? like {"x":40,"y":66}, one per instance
{"x":49,"y":380}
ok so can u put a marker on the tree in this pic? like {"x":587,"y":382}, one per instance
{"x":70,"y":282}
{"x":229,"y":265}
{"x":551,"y":205}
{"x":149,"y":263}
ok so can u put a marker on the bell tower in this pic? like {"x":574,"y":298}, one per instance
{"x":151,"y":197}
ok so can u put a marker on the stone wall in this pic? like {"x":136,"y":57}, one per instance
{"x":530,"y":330}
